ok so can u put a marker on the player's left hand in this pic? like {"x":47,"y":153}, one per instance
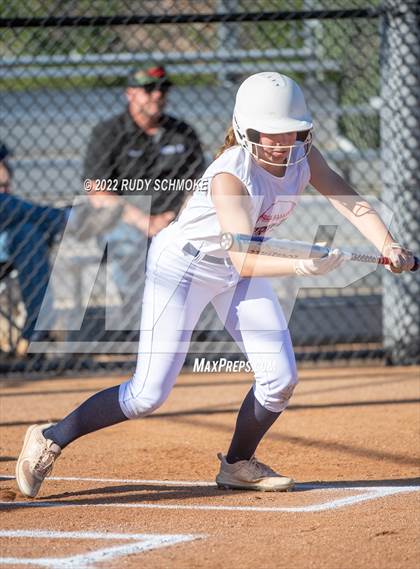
{"x":313,"y":267}
{"x":401,"y":258}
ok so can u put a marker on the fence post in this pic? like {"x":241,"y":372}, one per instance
{"x":400,"y":150}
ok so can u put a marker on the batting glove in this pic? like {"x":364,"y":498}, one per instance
{"x":312,"y":267}
{"x":401,"y":258}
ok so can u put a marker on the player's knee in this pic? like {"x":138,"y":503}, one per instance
{"x":287,"y":388}
{"x":139,"y":405}
{"x":277,"y":391}
{"x":144,"y":405}
{"x":149,"y":403}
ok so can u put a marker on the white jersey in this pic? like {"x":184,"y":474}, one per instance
{"x":179,"y":286}
{"x":273,"y":199}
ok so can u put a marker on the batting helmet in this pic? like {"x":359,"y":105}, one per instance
{"x":272,"y":103}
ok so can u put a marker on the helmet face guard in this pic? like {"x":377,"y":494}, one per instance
{"x":297,"y":152}
{"x":272,"y":103}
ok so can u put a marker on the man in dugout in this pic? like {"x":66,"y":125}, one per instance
{"x":142,"y":148}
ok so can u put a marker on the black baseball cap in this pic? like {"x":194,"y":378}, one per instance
{"x":148,"y":77}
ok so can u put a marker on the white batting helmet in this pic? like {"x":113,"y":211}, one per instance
{"x":272,"y":103}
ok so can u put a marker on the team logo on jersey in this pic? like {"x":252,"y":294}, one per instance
{"x":172,"y":149}
{"x":273,"y":216}
{"x":135,"y":152}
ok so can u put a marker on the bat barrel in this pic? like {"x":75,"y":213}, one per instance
{"x":271,"y":246}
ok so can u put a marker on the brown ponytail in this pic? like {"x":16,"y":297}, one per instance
{"x":230,"y":141}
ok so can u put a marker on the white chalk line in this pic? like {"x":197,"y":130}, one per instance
{"x":319,"y":486}
{"x":142,"y":542}
{"x":122,"y":480}
{"x":47,"y":534}
{"x":367,"y":494}
{"x":363,"y":494}
{"x":148,"y":482}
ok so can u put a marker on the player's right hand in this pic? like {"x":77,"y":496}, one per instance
{"x":401,"y":258}
{"x":314,"y":267}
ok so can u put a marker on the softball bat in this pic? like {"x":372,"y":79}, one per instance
{"x":294,"y":249}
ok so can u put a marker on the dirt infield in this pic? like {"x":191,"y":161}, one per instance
{"x":142,"y":493}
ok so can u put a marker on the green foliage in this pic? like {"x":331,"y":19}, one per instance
{"x":352,"y":43}
{"x":272,"y":34}
{"x":57,"y":41}
{"x":81,"y":82}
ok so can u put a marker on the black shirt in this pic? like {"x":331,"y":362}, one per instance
{"x":120,"y":150}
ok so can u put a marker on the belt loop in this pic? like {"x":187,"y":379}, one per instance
{"x":191,"y":250}
{"x":197,"y":254}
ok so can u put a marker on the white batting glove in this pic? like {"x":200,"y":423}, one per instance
{"x":401,"y":258}
{"x":312,"y":267}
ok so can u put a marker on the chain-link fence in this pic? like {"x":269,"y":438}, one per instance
{"x":71,"y":289}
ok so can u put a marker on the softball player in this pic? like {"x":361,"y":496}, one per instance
{"x":253,"y":185}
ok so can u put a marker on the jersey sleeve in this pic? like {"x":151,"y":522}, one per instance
{"x":233,"y":161}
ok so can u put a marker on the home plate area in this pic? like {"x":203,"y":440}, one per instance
{"x":101,"y":499}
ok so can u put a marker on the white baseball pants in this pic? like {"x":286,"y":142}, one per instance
{"x":178,"y":288}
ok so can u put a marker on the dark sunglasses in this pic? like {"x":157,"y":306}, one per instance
{"x":162,"y":87}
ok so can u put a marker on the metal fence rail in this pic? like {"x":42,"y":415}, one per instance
{"x":63,"y":70}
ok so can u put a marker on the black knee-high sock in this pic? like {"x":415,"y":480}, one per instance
{"x":251,"y":425}
{"x":99,"y":411}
